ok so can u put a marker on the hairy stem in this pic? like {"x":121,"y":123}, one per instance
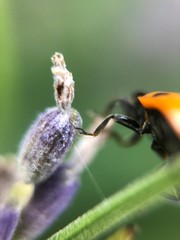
{"x":122,"y":206}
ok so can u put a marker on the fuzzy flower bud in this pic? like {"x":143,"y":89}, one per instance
{"x":14,"y":196}
{"x":48,"y":139}
{"x":8,"y":221}
{"x":50,"y":199}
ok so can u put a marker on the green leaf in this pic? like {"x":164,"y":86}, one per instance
{"x":122,"y":206}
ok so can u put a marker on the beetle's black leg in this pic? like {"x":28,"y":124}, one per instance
{"x":127,"y":122}
{"x":118,"y":118}
{"x":127,"y":107}
{"x":158,"y":149}
{"x":132,"y":107}
{"x":83,"y":132}
{"x":134,"y":119}
{"x":109,"y":108}
{"x":101,"y":126}
{"x":125,"y":142}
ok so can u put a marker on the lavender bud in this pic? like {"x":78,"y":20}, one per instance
{"x":50,"y":199}
{"x":18,"y":197}
{"x":8,"y":221}
{"x":45,"y":144}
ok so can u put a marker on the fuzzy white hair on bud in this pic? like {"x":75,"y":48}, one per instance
{"x":45,"y":144}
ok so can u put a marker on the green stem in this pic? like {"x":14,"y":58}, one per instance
{"x":123,"y":205}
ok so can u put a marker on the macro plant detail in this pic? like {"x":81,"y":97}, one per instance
{"x":40,"y":185}
{"x":37,"y":185}
{"x":48,"y":139}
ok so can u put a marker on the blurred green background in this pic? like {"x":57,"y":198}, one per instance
{"x":112,"y":48}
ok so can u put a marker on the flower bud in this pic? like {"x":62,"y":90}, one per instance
{"x":51,"y":198}
{"x":48,"y":139}
{"x":8,"y":221}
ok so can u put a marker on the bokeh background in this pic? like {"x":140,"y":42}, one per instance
{"x":112,"y":48}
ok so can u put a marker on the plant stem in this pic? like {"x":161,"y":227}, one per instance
{"x":123,"y":205}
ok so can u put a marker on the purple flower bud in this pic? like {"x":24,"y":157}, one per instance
{"x":50,"y":199}
{"x":46,"y":143}
{"x":9,"y":217}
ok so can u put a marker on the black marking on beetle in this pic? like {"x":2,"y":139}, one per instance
{"x":160,"y":94}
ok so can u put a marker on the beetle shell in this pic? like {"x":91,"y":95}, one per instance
{"x":168,"y":104}
{"x":163,"y":110}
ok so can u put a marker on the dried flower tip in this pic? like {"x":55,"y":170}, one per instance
{"x":43,"y":149}
{"x":63,"y":82}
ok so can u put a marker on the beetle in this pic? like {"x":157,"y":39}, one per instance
{"x":155,"y":113}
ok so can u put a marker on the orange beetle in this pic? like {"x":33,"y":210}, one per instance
{"x":155,"y":113}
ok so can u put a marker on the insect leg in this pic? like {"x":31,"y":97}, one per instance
{"x":125,"y":142}
{"x":132,"y":107}
{"x":118,"y":118}
{"x":158,"y":149}
{"x":111,"y":105}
